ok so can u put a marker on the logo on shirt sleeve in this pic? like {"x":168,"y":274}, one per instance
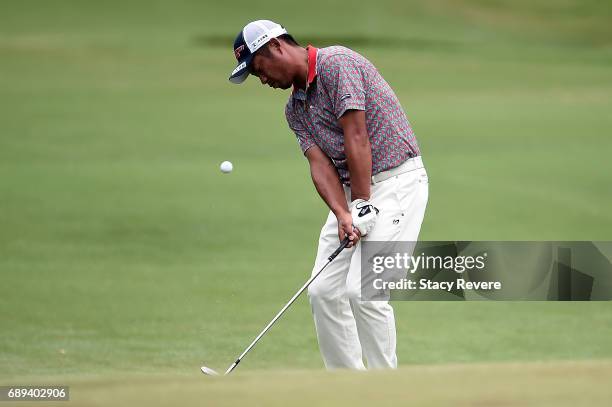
{"x":345,"y":96}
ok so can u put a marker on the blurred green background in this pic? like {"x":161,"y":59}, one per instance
{"x":123,"y":249}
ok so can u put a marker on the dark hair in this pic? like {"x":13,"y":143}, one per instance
{"x":284,"y":37}
{"x":288,"y":39}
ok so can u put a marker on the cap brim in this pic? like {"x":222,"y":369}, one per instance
{"x":241,"y":72}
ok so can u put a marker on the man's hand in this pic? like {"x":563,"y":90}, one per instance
{"x":364,"y":215}
{"x":345,"y":228}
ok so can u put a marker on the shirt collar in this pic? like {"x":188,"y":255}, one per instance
{"x":312,"y":70}
{"x":312,"y":64}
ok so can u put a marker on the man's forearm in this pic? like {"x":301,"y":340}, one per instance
{"x":326,"y":181}
{"x":358,"y":153}
{"x":359,"y":157}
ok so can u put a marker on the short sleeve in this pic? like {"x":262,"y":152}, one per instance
{"x":304,"y":138}
{"x":344,"y":80}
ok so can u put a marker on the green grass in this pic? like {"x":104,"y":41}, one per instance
{"x":123,"y":249}
{"x":514,"y":384}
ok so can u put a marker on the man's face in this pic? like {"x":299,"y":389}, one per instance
{"x":271,"y":68}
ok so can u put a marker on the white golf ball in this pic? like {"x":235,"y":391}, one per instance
{"x":226,"y":167}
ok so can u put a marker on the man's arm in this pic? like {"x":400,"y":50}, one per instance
{"x":325,"y":178}
{"x":358,"y":153}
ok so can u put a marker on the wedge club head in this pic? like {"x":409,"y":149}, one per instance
{"x":208,"y":371}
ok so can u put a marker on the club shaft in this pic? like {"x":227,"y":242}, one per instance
{"x":343,"y":245}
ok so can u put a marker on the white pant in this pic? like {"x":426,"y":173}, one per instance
{"x":349,"y":329}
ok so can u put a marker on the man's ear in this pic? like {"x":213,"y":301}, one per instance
{"x":275,"y":45}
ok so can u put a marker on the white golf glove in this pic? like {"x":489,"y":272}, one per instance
{"x":364,"y":215}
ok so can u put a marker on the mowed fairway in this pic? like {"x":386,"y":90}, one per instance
{"x":127,"y":259}
{"x":527,"y":384}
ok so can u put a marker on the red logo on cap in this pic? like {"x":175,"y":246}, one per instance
{"x":238,"y":50}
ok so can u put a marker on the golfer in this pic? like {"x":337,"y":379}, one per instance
{"x":366,"y":165}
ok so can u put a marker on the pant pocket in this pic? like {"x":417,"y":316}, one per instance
{"x":423,"y":177}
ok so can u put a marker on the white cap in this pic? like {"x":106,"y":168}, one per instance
{"x":252,"y":37}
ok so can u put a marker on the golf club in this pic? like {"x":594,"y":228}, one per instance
{"x":210,"y":372}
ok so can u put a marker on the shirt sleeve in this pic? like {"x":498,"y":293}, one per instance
{"x":304,"y":138}
{"x":344,"y":80}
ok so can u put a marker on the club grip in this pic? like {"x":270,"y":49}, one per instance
{"x":342,"y":246}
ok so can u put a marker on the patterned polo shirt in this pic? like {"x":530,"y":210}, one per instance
{"x":340,"y":79}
